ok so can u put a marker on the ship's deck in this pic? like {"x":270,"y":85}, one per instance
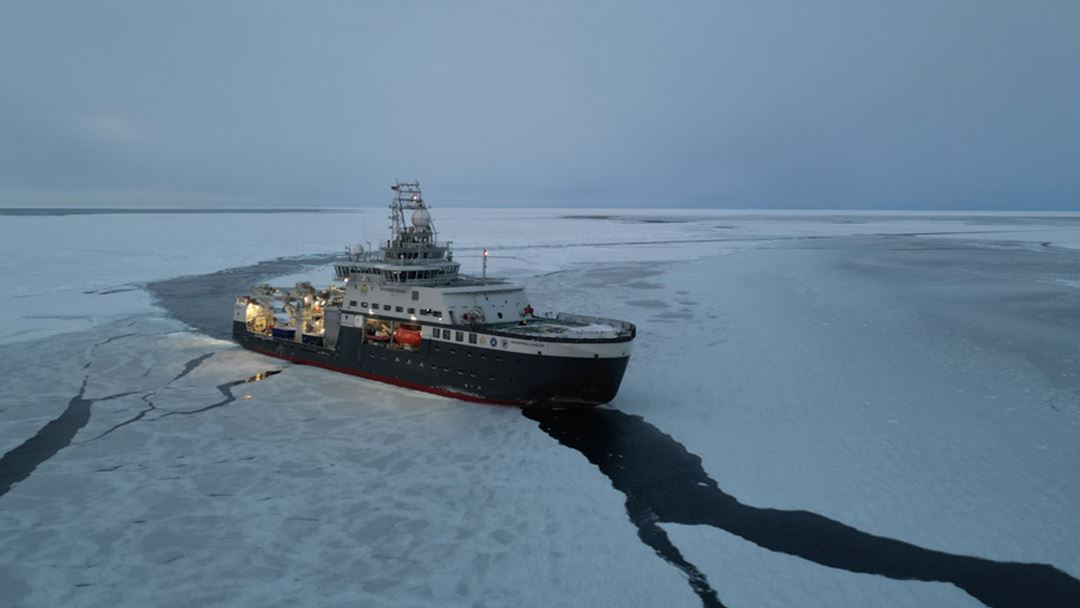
{"x":569,"y":327}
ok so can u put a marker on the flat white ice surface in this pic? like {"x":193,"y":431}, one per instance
{"x":900,"y":401}
{"x":311,"y":489}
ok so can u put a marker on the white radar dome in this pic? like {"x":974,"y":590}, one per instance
{"x":358,"y":249}
{"x":421,"y":218}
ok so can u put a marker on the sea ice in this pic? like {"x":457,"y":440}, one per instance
{"x":909,"y":375}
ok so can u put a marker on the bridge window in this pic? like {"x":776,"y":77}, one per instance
{"x":399,"y":309}
{"x":459,"y":336}
{"x":412,"y":311}
{"x":386,"y":307}
{"x":352,"y":303}
{"x":415,"y":295}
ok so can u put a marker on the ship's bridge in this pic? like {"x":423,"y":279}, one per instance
{"x":412,"y":256}
{"x":381,"y":272}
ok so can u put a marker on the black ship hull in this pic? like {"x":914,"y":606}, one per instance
{"x":462,"y":371}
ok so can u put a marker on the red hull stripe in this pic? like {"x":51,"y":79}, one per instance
{"x":442,"y":392}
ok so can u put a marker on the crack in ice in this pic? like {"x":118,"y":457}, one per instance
{"x":225,"y":389}
{"x":137,"y":417}
{"x":190,"y":366}
{"x":19,"y":463}
{"x":663,"y":482}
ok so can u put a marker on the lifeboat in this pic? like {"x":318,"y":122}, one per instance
{"x":407,"y":337}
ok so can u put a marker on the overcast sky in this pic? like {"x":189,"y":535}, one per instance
{"x":938,"y":104}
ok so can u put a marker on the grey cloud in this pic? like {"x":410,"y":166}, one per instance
{"x":832,"y":104}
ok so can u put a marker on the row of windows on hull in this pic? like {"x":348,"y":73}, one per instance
{"x":390,"y":336}
{"x":410,"y":310}
{"x":408,"y":336}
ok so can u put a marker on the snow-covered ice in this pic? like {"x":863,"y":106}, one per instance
{"x":912,"y":376}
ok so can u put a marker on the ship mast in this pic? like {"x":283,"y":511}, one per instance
{"x":414,"y":239}
{"x":407,"y":196}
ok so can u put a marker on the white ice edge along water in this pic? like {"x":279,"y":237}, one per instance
{"x":753,"y":421}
